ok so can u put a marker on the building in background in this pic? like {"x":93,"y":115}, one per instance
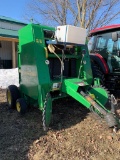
{"x":9,"y":41}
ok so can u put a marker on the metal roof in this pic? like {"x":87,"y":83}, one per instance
{"x":105,"y":28}
{"x":3,"y":18}
{"x":8,"y":33}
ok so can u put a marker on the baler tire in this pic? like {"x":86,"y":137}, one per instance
{"x":21,"y":106}
{"x":97,"y":73}
{"x":12,"y":95}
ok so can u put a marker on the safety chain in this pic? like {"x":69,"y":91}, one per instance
{"x":44,"y":110}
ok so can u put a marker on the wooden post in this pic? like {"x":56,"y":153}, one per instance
{"x":13,"y":55}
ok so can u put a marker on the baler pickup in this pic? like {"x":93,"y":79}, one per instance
{"x":92,"y":98}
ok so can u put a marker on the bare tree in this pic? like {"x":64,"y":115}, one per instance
{"x":85,"y":13}
{"x":49,"y":11}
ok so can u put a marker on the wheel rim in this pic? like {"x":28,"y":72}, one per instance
{"x":18,"y":106}
{"x":9,"y":97}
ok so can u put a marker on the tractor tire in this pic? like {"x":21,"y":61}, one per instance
{"x":97,"y":73}
{"x":12,"y":95}
{"x":21,"y":106}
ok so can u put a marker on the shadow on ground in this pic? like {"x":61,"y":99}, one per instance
{"x":18,"y":133}
{"x":67,"y":112}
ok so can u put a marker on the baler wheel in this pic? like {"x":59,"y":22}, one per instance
{"x":21,"y":105}
{"x":12,"y":95}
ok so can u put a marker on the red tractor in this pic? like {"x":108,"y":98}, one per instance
{"x":105,"y":55}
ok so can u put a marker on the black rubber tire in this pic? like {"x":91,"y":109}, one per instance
{"x":21,"y":106}
{"x":97,"y":73}
{"x":12,"y":95}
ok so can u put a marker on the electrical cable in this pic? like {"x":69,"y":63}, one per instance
{"x":52,"y":50}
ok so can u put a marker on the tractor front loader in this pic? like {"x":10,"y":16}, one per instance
{"x":53,"y":63}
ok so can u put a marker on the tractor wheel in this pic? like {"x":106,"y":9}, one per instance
{"x":97,"y":73}
{"x":12,"y":95}
{"x":21,"y":106}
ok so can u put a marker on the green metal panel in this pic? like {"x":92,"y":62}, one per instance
{"x":25,"y":36}
{"x":28,"y":71}
{"x":34,"y":72}
{"x":101,"y":94}
{"x":70,"y":86}
{"x":86,"y":66}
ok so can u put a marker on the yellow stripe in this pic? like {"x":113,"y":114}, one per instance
{"x":46,"y":52}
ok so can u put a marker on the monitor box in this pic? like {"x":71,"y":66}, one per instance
{"x":71,"y":34}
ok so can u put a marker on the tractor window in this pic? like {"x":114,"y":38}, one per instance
{"x":118,"y":45}
{"x":101,"y":42}
{"x":115,"y":47}
{"x":110,"y":45}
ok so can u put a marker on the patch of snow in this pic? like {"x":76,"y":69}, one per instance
{"x":9,"y":77}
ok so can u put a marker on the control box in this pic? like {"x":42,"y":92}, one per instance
{"x":71,"y":34}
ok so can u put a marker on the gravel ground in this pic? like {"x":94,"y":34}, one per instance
{"x":76,"y":134}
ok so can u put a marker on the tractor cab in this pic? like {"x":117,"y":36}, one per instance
{"x":106,"y":42}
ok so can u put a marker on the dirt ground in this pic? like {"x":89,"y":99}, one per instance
{"x":76,"y":134}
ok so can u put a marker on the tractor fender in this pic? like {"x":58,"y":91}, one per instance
{"x":99,"y":60}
